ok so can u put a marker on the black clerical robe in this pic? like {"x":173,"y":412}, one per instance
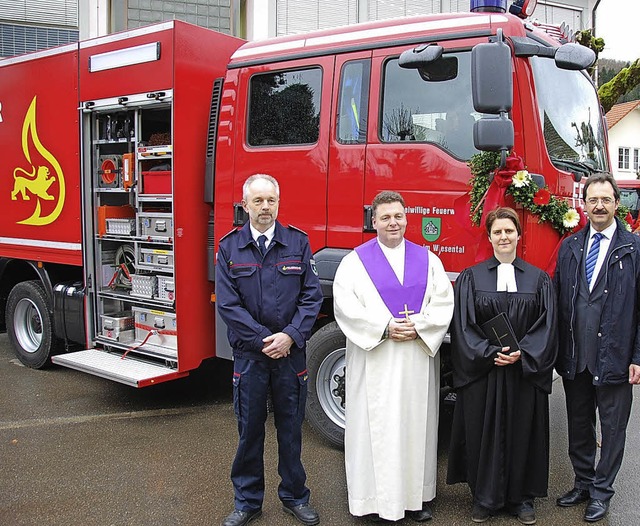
{"x":500,"y":435}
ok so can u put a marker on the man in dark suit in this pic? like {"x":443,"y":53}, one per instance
{"x":597,"y":279}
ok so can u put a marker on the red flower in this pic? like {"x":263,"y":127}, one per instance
{"x":629,"y":218}
{"x":542,"y":197}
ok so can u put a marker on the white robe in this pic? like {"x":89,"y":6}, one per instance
{"x":392,"y":393}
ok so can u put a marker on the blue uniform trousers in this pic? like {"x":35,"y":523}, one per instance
{"x":251,"y":380}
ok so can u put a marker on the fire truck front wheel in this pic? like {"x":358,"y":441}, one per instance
{"x":326,"y":393}
{"x":29,"y":324}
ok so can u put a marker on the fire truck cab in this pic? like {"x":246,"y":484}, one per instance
{"x":339,"y":115}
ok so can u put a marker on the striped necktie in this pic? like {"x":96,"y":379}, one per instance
{"x":592,"y":256}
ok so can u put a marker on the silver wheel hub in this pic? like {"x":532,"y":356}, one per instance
{"x":330,"y":386}
{"x":27,"y":325}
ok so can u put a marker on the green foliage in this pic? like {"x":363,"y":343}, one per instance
{"x":586,"y":38}
{"x":624,"y":82}
{"x":538,"y":201}
{"x":482,"y":166}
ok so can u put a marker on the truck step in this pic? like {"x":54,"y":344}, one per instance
{"x":129,"y":371}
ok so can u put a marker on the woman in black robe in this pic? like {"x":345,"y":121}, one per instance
{"x":500,"y":434}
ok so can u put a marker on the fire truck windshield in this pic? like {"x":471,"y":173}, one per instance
{"x":570,"y":116}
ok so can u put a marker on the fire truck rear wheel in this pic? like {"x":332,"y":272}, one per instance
{"x":29,"y":324}
{"x":326,"y":393}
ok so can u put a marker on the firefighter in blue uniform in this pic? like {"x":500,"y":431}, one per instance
{"x":268,"y":294}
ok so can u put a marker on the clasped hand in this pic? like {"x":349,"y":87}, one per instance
{"x":277,"y":345}
{"x":503,"y":359}
{"x":402,"y":330}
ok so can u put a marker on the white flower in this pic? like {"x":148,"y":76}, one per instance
{"x":571,"y":218}
{"x":521,"y":178}
{"x":627,"y":226}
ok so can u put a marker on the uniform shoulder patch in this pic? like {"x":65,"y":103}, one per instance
{"x":297,"y":229}
{"x":232,"y":231}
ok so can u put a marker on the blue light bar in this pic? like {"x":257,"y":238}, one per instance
{"x":493,"y":6}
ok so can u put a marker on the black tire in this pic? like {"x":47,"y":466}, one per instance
{"x":326,"y":392}
{"x":29,"y":324}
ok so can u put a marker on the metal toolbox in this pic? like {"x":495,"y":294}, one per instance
{"x":144,"y":286}
{"x":156,"y":327}
{"x":156,"y":224}
{"x":166,"y":288}
{"x":154,"y":258}
{"x":123,"y":227}
{"x":118,"y":326}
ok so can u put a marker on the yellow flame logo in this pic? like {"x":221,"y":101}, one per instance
{"x":38,"y":181}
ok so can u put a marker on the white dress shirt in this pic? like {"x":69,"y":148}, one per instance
{"x":605,"y":241}
{"x":268,"y":234}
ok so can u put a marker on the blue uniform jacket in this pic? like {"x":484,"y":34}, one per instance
{"x":619,"y":334}
{"x":258,"y":297}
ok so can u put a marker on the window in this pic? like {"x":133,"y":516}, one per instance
{"x":353,"y":102}
{"x":19,"y":39}
{"x":438,"y":111}
{"x":284,"y":108}
{"x":570,"y":117}
{"x":636,"y":155}
{"x":623,"y":158}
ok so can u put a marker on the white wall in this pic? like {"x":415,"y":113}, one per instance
{"x":261,"y":19}
{"x":93,"y":18}
{"x":625,"y":134}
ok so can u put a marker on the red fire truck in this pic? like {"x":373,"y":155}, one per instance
{"x":124,"y":158}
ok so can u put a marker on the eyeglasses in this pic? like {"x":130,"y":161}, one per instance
{"x":604,"y":200}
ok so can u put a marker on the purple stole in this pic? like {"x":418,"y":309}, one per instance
{"x":401,"y":300}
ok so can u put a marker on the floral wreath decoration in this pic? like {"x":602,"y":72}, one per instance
{"x":488,"y":193}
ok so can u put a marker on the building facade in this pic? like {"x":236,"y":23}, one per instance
{"x":284,"y":17}
{"x":31,"y":25}
{"x":623,"y":121}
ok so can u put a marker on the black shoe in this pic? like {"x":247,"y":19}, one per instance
{"x":573,"y":497}
{"x":421,"y":515}
{"x":304,"y":513}
{"x":240,"y":518}
{"x":480,"y":514}
{"x":525,"y":512}
{"x":596,"y":510}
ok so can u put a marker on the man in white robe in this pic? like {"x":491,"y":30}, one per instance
{"x":393,"y":369}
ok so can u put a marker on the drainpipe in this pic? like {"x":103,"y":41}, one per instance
{"x":593,"y":29}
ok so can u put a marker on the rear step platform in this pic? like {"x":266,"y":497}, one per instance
{"x":129,"y":371}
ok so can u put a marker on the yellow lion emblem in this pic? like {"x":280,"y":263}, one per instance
{"x":38,"y":184}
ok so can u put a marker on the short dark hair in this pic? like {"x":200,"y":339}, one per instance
{"x":384,"y":197}
{"x":503,"y":213}
{"x":601,"y":177}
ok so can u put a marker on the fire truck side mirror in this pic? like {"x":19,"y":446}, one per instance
{"x":491,"y":81}
{"x":574,"y":57}
{"x":493,"y":134}
{"x":431,"y":65}
{"x":570,"y":56}
{"x":419,"y":56}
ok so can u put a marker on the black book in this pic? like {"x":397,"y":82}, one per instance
{"x":499,"y":332}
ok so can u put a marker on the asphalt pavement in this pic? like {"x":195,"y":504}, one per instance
{"x":80,"y":450}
